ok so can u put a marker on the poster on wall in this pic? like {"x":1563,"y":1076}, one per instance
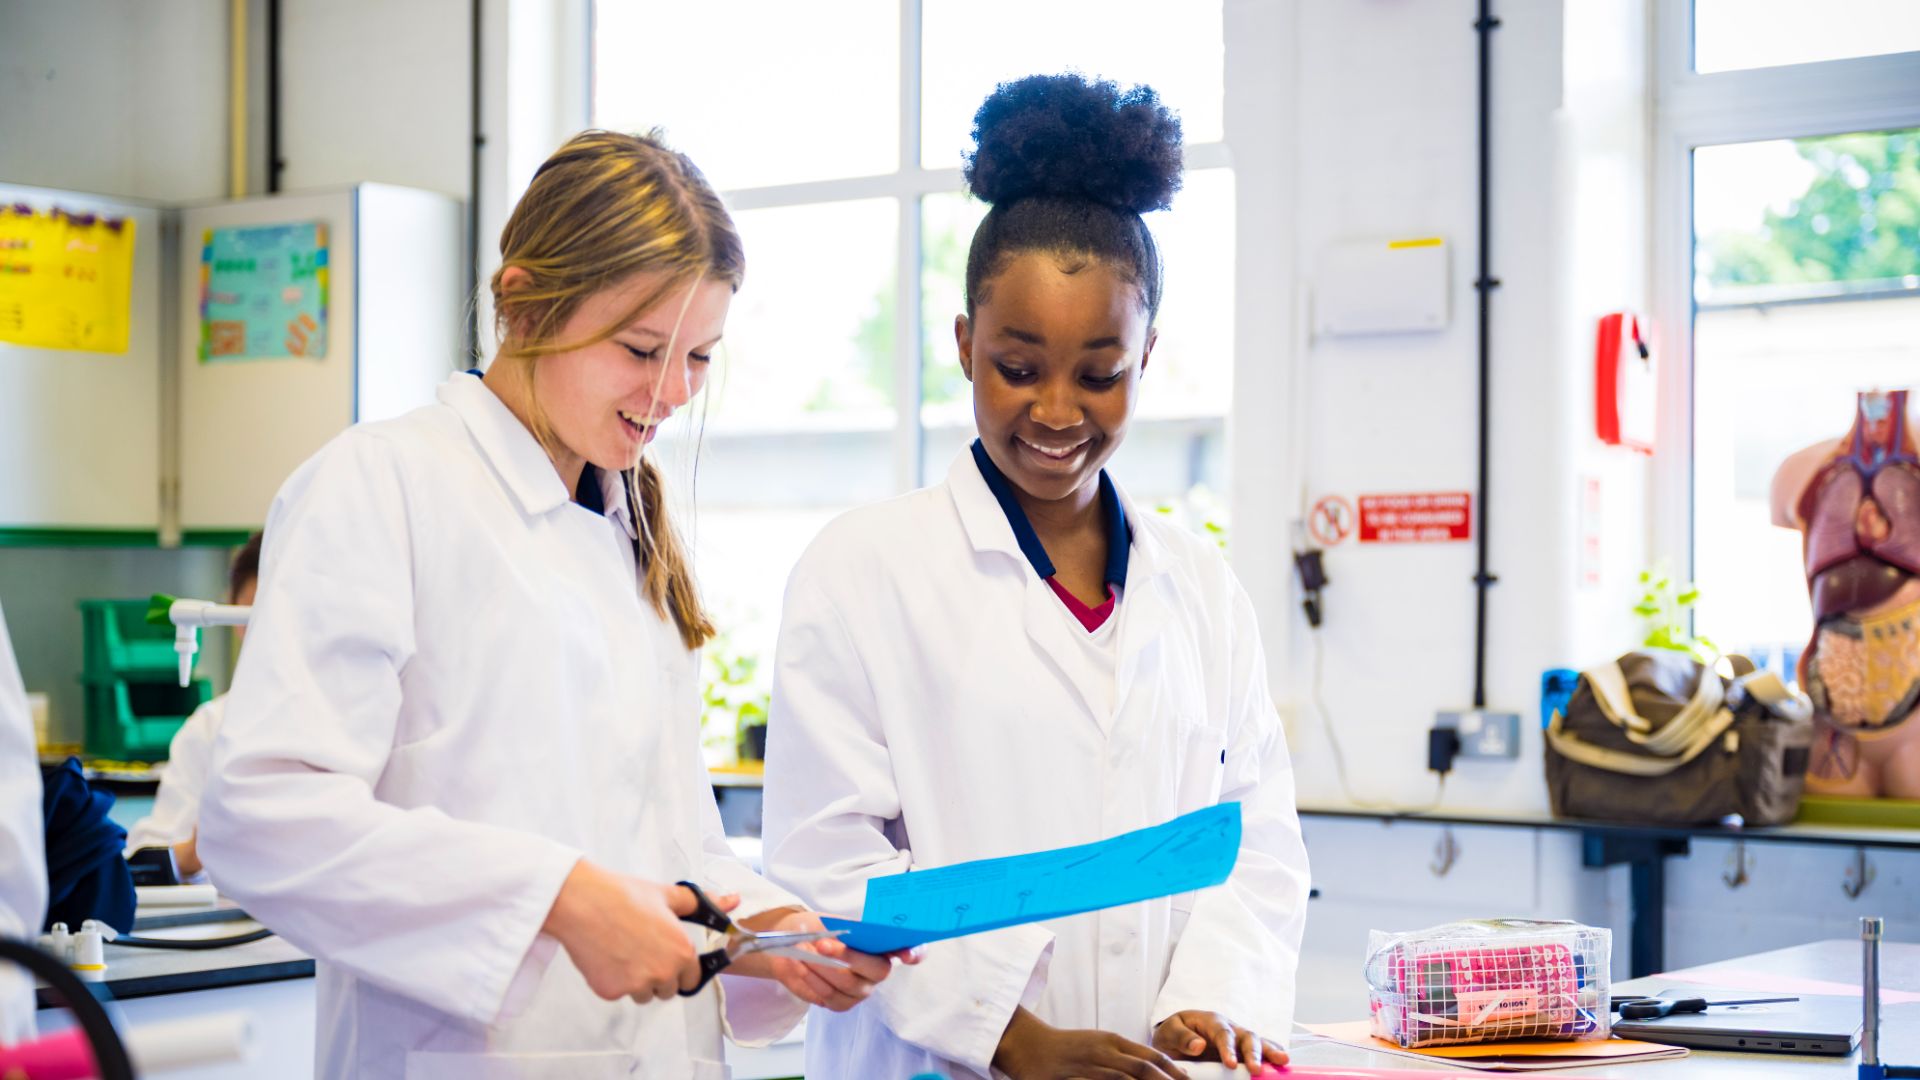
{"x":263,"y":292}
{"x":66,"y":279}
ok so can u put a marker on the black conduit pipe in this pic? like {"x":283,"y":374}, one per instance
{"x":1484,"y":284}
{"x":274,"y":164}
{"x":473,"y":187}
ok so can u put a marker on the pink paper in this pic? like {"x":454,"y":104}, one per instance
{"x":1769,"y":983}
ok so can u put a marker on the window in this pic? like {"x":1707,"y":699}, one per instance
{"x":1807,"y":290}
{"x":1796,"y":190}
{"x":830,"y":391}
{"x":1734,"y":35}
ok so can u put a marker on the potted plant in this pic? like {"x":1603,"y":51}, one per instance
{"x":733,"y":719}
{"x":1664,"y":605}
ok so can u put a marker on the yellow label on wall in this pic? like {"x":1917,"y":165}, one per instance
{"x":66,"y":279}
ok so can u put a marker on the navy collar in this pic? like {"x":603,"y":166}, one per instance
{"x":588,"y":494}
{"x":1119,"y":537}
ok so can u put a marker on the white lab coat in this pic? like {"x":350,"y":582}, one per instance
{"x":923,"y":715}
{"x":176,"y":806}
{"x":23,"y":856}
{"x":452,"y":690}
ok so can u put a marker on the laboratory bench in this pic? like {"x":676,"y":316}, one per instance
{"x":271,"y":981}
{"x":1828,"y":966}
{"x":1644,"y":849}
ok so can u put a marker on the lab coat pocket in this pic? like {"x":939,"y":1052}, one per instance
{"x":432,"y":1065}
{"x":1197,"y":763}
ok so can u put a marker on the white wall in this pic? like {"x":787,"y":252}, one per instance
{"x":375,"y":91}
{"x":1380,"y":143}
{"x":115,"y":97}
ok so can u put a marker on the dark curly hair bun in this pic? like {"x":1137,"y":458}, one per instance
{"x":1070,"y":137}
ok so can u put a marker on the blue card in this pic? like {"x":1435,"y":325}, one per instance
{"x":1192,"y":851}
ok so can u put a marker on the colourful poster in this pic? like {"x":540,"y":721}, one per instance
{"x":66,"y":279}
{"x":263,"y":292}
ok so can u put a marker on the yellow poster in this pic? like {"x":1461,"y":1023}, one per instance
{"x":66,"y":279}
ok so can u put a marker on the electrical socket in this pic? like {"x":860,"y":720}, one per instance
{"x":1483,"y":734}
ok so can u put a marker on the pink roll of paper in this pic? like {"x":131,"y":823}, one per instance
{"x":61,"y":1056}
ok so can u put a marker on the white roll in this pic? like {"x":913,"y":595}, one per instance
{"x":184,"y":1044}
{"x":175,"y":895}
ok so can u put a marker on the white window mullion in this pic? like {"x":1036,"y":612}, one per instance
{"x":908,"y":440}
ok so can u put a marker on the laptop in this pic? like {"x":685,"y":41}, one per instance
{"x":1814,"y":1024}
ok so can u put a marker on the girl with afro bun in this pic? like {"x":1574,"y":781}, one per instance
{"x":1019,"y":658}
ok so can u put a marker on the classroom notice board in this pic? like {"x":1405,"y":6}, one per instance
{"x":263,"y":292}
{"x":66,"y":277}
{"x":354,"y":312}
{"x":80,"y":430}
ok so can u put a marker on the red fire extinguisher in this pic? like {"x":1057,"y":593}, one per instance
{"x":1626,"y":384}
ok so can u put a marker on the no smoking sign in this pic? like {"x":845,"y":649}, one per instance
{"x":1331,"y":520}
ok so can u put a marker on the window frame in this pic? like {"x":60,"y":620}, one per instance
{"x":1692,"y":110}
{"x":908,"y":184}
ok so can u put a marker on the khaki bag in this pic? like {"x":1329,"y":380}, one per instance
{"x":1657,"y":738}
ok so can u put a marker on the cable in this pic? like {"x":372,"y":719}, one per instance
{"x":108,"y":1051}
{"x":1339,"y":758}
{"x":192,"y":944}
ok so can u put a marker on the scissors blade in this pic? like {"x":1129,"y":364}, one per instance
{"x":784,"y":943}
{"x":807,"y":957}
{"x":775,"y":939}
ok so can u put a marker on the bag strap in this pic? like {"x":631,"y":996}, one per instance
{"x":1767,"y":688}
{"x":1694,"y":728}
{"x":1697,"y":722}
{"x":1574,"y":748}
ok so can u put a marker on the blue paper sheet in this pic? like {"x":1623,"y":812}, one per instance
{"x":1192,"y":851}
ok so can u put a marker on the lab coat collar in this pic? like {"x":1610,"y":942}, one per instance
{"x":519,"y":458}
{"x":1119,"y":539}
{"x":987,"y":527}
{"x":605,"y":493}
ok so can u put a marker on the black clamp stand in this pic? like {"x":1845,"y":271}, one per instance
{"x":1871,"y":930}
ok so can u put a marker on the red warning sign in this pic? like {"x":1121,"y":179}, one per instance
{"x":1433,"y":517}
{"x":1331,"y":520}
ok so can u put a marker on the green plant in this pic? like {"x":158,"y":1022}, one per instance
{"x":1200,"y":510}
{"x":734,"y":697}
{"x":1664,"y":606}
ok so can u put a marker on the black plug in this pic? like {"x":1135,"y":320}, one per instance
{"x":1442,"y":745}
{"x":1312,"y":577}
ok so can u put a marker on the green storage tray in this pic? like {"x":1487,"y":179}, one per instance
{"x":135,"y":721}
{"x":1828,"y":810}
{"x":119,"y":643}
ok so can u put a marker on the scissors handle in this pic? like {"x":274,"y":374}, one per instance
{"x":705,"y":912}
{"x":1658,"y":1007}
{"x":711,"y":964}
{"x":708,"y":914}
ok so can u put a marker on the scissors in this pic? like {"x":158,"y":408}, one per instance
{"x":1654,"y":1008}
{"x":740,"y":941}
